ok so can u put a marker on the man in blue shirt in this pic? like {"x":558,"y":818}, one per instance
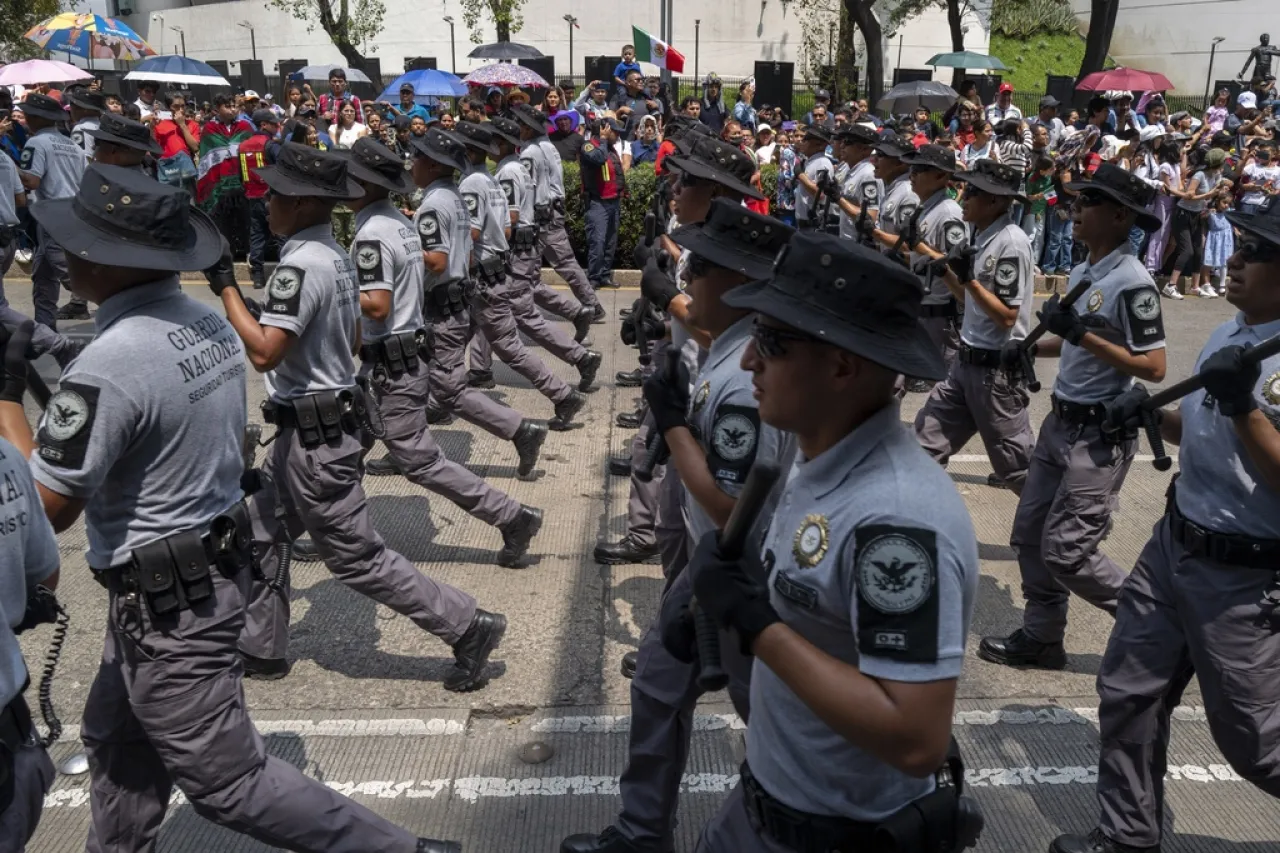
{"x":635,"y":102}
{"x":408,"y":107}
{"x":644,"y":149}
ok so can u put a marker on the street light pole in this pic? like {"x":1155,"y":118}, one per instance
{"x":1208,"y":77}
{"x":573,"y":23}
{"x":182,"y":35}
{"x":253,"y":41}
{"x":453,"y":45}
{"x":697,"y":40}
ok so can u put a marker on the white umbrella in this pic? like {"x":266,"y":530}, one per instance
{"x":178,"y":70}
{"x":36,"y":71}
{"x":321,"y":73}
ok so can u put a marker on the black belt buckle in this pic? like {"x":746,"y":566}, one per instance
{"x":1195,"y":539}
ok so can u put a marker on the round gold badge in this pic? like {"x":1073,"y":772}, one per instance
{"x":811,"y":541}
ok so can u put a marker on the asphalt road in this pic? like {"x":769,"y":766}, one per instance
{"x":364,"y":710}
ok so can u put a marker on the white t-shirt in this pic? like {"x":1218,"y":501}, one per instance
{"x":1260,"y":177}
{"x":765,"y":152}
{"x":346,"y":138}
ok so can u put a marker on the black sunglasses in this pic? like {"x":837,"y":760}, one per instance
{"x":1255,"y":251}
{"x":770,"y":341}
{"x":1087,"y":198}
{"x":921,"y":169}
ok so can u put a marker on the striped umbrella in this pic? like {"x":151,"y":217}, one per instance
{"x":89,"y":36}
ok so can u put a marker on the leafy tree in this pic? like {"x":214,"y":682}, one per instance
{"x":506,"y":15}
{"x":348,"y":23}
{"x":16,"y":18}
{"x":956,"y":12}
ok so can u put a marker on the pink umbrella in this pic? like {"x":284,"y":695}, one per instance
{"x":36,"y":71}
{"x":1129,"y":79}
{"x":505,"y":74}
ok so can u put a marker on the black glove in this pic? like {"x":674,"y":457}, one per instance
{"x":730,"y":592}
{"x":657,"y":286}
{"x":655,"y":327}
{"x":667,"y":400}
{"x":866,"y":227}
{"x":223,"y":273}
{"x":1227,"y":378}
{"x":679,"y":636}
{"x":912,"y":232}
{"x":1063,"y":322}
{"x":1125,"y":411}
{"x":15,"y":361}
{"x":962,"y":264}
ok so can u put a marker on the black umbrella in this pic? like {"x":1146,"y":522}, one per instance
{"x":908,"y":97}
{"x":505,"y":50}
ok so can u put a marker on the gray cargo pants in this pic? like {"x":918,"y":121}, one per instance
{"x":553,"y":243}
{"x":642,"y":498}
{"x":985,"y":401}
{"x":1072,"y":487}
{"x":448,"y":373}
{"x":48,"y":277}
{"x":945,"y":334}
{"x":32,"y":777}
{"x":491,"y":310}
{"x":524,"y":270}
{"x":402,"y":403}
{"x":732,"y":830}
{"x":168,"y":708}
{"x":664,"y":694}
{"x":318,"y":492}
{"x":1180,"y":614}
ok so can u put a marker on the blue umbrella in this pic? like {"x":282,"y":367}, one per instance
{"x":178,"y":70}
{"x":428,"y":84}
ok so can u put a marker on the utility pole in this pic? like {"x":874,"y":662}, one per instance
{"x":182,"y":36}
{"x":573,"y":25}
{"x":253,"y":41}
{"x":697,"y":39}
{"x":1208,"y":78}
{"x":453,"y":45}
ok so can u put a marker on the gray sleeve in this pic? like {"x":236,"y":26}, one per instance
{"x":39,"y":547}
{"x":475,"y":205}
{"x":88,"y":426}
{"x":34,"y":158}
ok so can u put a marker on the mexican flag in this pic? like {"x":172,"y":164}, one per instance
{"x":656,"y":51}
{"x":218,"y":167}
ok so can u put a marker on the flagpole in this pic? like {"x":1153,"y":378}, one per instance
{"x":667,"y":30}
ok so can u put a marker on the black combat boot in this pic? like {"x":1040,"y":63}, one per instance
{"x":1097,"y":842}
{"x":528,"y":441}
{"x":517,"y":535}
{"x":1018,"y":649}
{"x":620,"y":466}
{"x":565,"y":411}
{"x":624,"y":551}
{"x":588,"y":367}
{"x":471,"y":652}
{"x":629,"y":665}
{"x":629,"y":378}
{"x":481,"y":380}
{"x":430,"y":845}
{"x":609,"y":841}
{"x":382,"y":467}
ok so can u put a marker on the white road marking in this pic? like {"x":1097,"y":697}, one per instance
{"x":982,"y":457}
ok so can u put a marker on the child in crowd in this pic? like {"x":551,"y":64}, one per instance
{"x":628,"y":64}
{"x":1039,"y":187}
{"x":1219,"y":245}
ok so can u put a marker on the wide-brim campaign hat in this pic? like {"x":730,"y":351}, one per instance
{"x":859,"y":134}
{"x":371,"y":162}
{"x":692,"y":134}
{"x":1125,"y":189}
{"x":736,"y":238}
{"x":934,"y":156}
{"x":87,"y":99}
{"x":531,"y":117}
{"x":893,"y":145}
{"x":505,"y":128}
{"x":994,"y":179}
{"x":849,"y":296}
{"x":720,"y":163}
{"x":441,"y":147}
{"x":475,"y":136}
{"x":819,"y":133}
{"x":301,"y":171}
{"x":123,"y":218}
{"x":126,"y":132}
{"x":42,"y":106}
{"x":1265,"y":223}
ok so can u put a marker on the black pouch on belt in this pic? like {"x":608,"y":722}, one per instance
{"x":232,"y":536}
{"x":410,"y":346}
{"x":330,"y":411}
{"x":492,"y":271}
{"x":8,"y":234}
{"x":15,"y":729}
{"x":944,"y":820}
{"x":173,"y":573}
{"x":306,"y":413}
{"x":394,"y":356}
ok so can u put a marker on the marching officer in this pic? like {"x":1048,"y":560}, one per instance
{"x":120,"y":141}
{"x":714,"y":437}
{"x":981,"y":393}
{"x":857,"y":606}
{"x":861,"y":188}
{"x":941,"y":228}
{"x":900,"y":201}
{"x":1077,"y":468}
{"x":388,"y":262}
{"x":605,"y":187}
{"x":51,"y":166}
{"x":143,"y":438}
{"x":85,"y":108}
{"x":818,"y":170}
{"x":1203,"y":595}
{"x":304,"y":344}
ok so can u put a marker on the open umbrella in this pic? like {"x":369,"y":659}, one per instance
{"x":967,"y":59}
{"x":178,"y":70}
{"x":505,"y":50}
{"x":428,"y":84}
{"x":36,"y":71}
{"x":321,"y":73}
{"x":1129,"y":79}
{"x":505,"y":74}
{"x":908,"y":97}
{"x":89,"y":36}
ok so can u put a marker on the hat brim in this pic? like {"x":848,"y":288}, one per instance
{"x":438,"y":157}
{"x":710,"y":173}
{"x":891,"y":150}
{"x":150,"y":146}
{"x":912,"y":158}
{"x":529,"y":121}
{"x":913,"y":354}
{"x":50,"y":115}
{"x":1146,"y":220}
{"x":200,"y":249}
{"x":491,"y":149}
{"x":514,"y":140}
{"x":1257,"y":225}
{"x":278,"y":182}
{"x":988,"y":186}
{"x":86,"y":105}
{"x":731,"y":255}
{"x":402,"y":184}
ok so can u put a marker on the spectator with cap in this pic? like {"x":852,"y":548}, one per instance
{"x":331,"y":103}
{"x":1245,"y":120}
{"x":1004,"y":107}
{"x":565,"y":136}
{"x":765,"y":145}
{"x":713,"y":112}
{"x":1122,"y":117}
{"x":256,"y":152}
{"x":820,"y":98}
{"x":408,"y":106}
{"x":249,"y":102}
{"x":1048,"y":119}
{"x":644,"y":148}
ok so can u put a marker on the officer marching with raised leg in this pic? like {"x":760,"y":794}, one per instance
{"x":1203,"y":595}
{"x":714,"y":437}
{"x":388,"y":257}
{"x":858,"y":604}
{"x":981,"y":394}
{"x":304,"y":344}
{"x":1077,"y":468}
{"x":143,"y":438}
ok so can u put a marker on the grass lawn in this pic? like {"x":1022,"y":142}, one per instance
{"x":1034,"y":58}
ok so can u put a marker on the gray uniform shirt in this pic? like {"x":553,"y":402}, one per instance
{"x":57,"y":161}
{"x":147,"y":423}
{"x":863,"y":188}
{"x":314,"y":294}
{"x":1003,"y":266}
{"x":535,"y":163}
{"x":899,"y":205}
{"x":554,"y":166}
{"x":1123,"y":307}
{"x":28,"y":556}
{"x":517,"y":186}
{"x":10,"y":188}
{"x":816,"y":166}
{"x":388,"y":256}
{"x":444,"y":226}
{"x":1221,"y":488}
{"x":942,"y":226}
{"x":873,"y":559}
{"x":725,"y":419}
{"x":80,"y":135}
{"x":486,"y":211}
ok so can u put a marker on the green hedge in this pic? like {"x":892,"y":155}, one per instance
{"x":640,"y":188}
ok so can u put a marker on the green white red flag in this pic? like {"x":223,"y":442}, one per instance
{"x":655,"y":51}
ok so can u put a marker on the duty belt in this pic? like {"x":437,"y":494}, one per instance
{"x":319,"y":418}
{"x":1230,"y":548}
{"x":445,"y":300}
{"x":1079,"y":414}
{"x":978,"y":357}
{"x":801,"y":831}
{"x":490,"y":272}
{"x":943,"y":309}
{"x":396,"y":354}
